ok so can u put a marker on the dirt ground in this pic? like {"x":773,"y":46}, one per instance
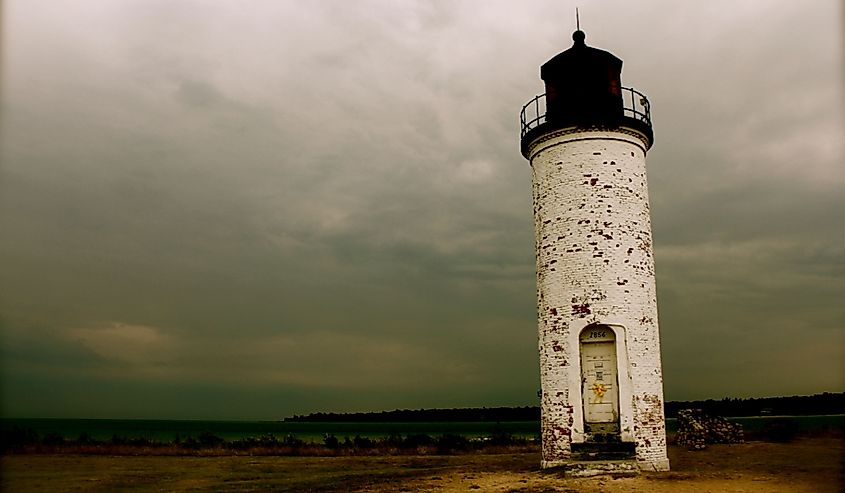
{"x":814,"y":465}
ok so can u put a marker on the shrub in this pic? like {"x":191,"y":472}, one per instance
{"x":501,"y":437}
{"x":86,"y":439}
{"x":450,"y":443}
{"x":208,"y":440}
{"x":393,"y":440}
{"x":15,"y":438}
{"x":292,"y":441}
{"x":53,"y":438}
{"x":415,"y":441}
{"x":190,"y":443}
{"x":267,"y":440}
{"x":330,"y":441}
{"x":140,"y":442}
{"x":781,"y":430}
{"x":363,"y":443}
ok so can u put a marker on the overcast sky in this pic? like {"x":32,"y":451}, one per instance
{"x":246,"y":210}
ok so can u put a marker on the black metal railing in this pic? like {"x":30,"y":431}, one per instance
{"x":533,"y":114}
{"x":634,"y":105}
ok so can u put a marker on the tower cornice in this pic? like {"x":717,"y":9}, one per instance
{"x":534,"y":142}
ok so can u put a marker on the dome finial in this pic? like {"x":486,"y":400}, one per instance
{"x":578,"y":36}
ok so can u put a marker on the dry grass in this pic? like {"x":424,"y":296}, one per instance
{"x":308,"y":450}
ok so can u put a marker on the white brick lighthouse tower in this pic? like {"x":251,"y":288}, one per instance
{"x":600,"y":371}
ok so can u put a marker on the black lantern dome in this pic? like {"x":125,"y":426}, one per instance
{"x":583,"y":83}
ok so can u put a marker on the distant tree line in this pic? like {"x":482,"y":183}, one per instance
{"x":796,"y":405}
{"x":491,"y":414}
{"x":804,"y":405}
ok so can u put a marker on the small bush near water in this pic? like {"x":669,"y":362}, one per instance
{"x":18,"y":440}
{"x":781,"y":430}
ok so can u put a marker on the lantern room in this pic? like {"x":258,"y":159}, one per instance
{"x":583,"y":85}
{"x":584,"y":90}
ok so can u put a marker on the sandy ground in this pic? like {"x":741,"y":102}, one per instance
{"x":814,"y":465}
{"x":804,"y":466}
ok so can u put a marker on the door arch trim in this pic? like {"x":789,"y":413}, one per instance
{"x":623,"y":378}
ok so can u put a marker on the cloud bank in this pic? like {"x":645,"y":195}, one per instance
{"x":252,"y":210}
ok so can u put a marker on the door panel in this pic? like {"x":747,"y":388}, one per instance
{"x":598,"y":380}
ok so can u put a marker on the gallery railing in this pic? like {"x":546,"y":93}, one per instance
{"x":634,"y":105}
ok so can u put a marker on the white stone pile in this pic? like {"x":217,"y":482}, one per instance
{"x":696,"y":429}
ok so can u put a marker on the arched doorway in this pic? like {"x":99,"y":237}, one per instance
{"x":599,"y":383}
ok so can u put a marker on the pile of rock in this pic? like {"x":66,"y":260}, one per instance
{"x":696,"y":429}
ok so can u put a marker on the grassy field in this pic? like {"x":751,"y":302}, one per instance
{"x":805,"y":465}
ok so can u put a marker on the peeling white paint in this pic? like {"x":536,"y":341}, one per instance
{"x":595,"y":266}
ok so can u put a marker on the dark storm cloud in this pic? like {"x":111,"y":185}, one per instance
{"x":303,"y":206}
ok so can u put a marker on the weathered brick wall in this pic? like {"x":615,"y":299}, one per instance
{"x":595,"y":265}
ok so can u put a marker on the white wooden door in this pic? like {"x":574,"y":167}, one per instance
{"x":598,"y":376}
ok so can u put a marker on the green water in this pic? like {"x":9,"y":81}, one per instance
{"x":168,"y":430}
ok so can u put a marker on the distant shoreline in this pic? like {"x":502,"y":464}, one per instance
{"x":825,"y":404}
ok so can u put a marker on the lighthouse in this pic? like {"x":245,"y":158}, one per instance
{"x":586,"y":140}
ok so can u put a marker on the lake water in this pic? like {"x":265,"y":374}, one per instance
{"x":167,"y":430}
